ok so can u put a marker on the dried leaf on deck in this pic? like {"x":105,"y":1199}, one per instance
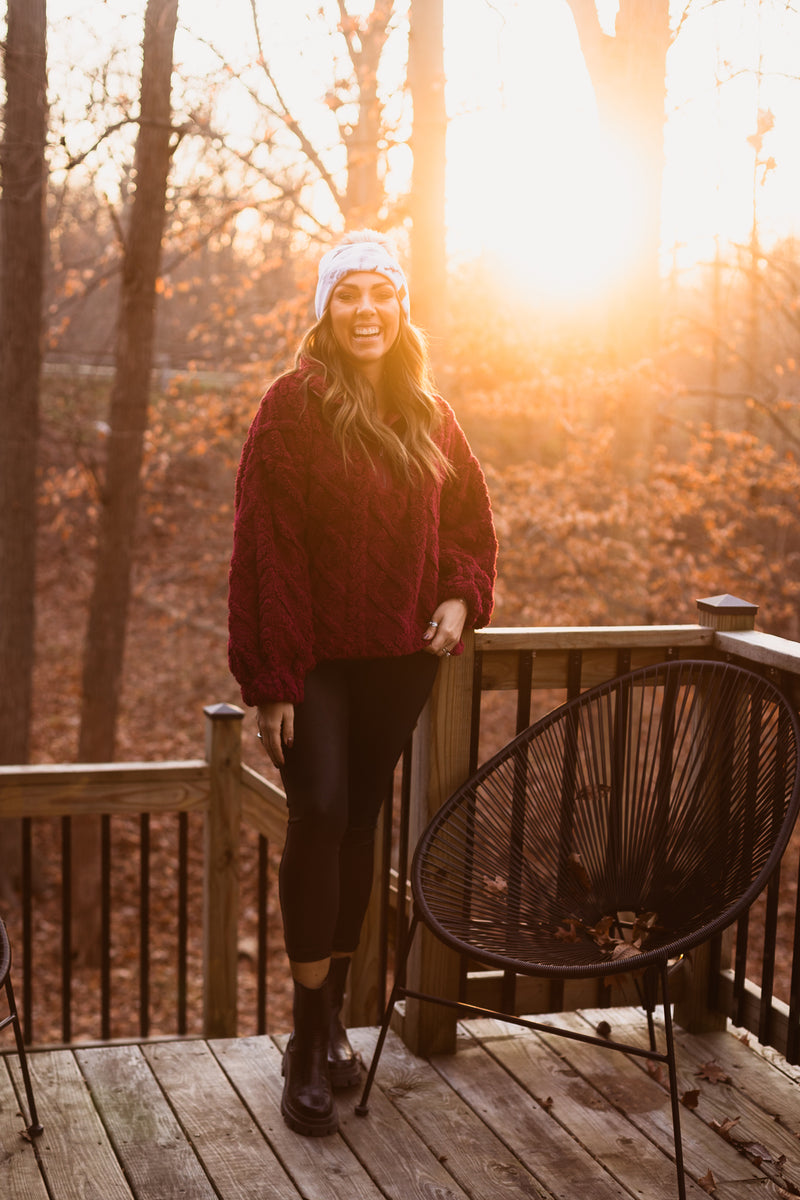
{"x":756,"y":1152}
{"x":656,"y":1071}
{"x":723,"y":1128}
{"x":691,"y":1098}
{"x":497,"y":885}
{"x":713,"y":1072}
{"x":708,"y":1183}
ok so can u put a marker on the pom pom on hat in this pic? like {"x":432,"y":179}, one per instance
{"x":359,"y":256}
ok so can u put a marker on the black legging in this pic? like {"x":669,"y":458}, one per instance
{"x":349,"y":732}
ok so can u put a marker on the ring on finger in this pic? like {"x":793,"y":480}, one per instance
{"x":433,"y":624}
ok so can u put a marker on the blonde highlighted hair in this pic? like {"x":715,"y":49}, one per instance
{"x":348,"y":399}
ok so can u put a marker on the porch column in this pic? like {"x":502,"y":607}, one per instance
{"x":695,"y":1009}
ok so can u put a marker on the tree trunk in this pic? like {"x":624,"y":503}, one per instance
{"x":22,"y":164}
{"x":628,"y":73}
{"x":428,"y":143}
{"x":365,"y":42}
{"x":130,"y":395}
{"x":105,"y":641}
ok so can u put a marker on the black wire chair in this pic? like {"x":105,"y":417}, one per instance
{"x":33,"y":1127}
{"x":621,"y":830}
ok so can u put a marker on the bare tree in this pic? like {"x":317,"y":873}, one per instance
{"x":22,"y":163}
{"x":105,"y":641}
{"x":427,"y":201}
{"x":628,"y":73}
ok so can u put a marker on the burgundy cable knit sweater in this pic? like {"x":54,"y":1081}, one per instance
{"x":344,"y":562}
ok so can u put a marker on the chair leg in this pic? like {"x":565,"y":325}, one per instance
{"x":673,"y":1083}
{"x":649,"y":996}
{"x":362,"y":1108}
{"x":34,"y":1128}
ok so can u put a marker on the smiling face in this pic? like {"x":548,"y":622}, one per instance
{"x":365,"y":318}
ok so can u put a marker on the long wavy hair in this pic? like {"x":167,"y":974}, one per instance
{"x":348,"y":401}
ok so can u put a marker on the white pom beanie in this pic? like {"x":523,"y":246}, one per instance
{"x":359,"y":256}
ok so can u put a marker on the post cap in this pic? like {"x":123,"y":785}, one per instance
{"x":727,"y":604}
{"x":223,"y":712}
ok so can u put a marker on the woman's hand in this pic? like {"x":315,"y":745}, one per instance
{"x":445,"y":627}
{"x":276,"y":728}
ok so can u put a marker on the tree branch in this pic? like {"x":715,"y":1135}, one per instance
{"x":290,"y":122}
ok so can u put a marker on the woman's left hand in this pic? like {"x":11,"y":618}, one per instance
{"x":445,"y":627}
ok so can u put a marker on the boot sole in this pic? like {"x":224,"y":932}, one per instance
{"x":320,"y":1128}
{"x":344,"y":1075}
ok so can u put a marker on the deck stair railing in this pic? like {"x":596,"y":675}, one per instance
{"x":229,"y":825}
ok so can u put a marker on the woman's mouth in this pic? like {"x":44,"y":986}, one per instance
{"x":366,"y":331}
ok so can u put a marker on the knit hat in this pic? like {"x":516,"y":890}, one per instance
{"x":359,"y":256}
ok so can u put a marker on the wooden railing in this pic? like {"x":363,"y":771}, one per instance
{"x":505,"y":678}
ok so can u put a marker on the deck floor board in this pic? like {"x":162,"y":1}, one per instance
{"x":514,"y":1115}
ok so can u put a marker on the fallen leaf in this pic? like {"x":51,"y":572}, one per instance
{"x":547,"y":1104}
{"x":599,"y":932}
{"x":603,"y":1029}
{"x":642,"y":925}
{"x":569,"y":935}
{"x":756,"y":1152}
{"x":497,"y":885}
{"x":708,"y":1183}
{"x":656,"y":1071}
{"x":578,"y":870}
{"x":625,"y":950}
{"x":690,"y":1099}
{"x":713,"y":1072}
{"x":723,"y":1128}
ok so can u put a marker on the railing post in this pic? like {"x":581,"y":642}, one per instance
{"x":440,"y":762}
{"x":221,"y":870}
{"x":694,"y":1010}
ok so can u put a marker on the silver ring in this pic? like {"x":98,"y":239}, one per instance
{"x":433,"y":624}
{"x":258,"y":735}
{"x":446,"y":653}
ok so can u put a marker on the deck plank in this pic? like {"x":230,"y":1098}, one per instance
{"x":225,"y":1137}
{"x":722,"y":1101}
{"x":148,"y":1140}
{"x":76,"y":1156}
{"x":608,"y":1135}
{"x":401,"y":1165}
{"x":511,"y":1095}
{"x":477,"y":1159}
{"x":323,"y":1168}
{"x":512,"y":1116}
{"x":19,"y":1171}
{"x":627,"y":1083}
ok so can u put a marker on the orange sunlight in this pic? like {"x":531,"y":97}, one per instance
{"x":532,"y":185}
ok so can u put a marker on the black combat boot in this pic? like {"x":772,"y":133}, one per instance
{"x":307,"y":1103}
{"x":343,"y":1065}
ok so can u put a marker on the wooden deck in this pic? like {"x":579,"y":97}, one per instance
{"x":512,"y":1114}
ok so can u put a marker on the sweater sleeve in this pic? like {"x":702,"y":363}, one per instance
{"x":467,"y":541}
{"x":270,"y":639}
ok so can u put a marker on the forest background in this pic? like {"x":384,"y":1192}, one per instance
{"x":597,"y":207}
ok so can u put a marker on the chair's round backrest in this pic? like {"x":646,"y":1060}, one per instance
{"x":628,"y":825}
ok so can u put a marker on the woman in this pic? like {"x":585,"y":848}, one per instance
{"x":363,"y":546}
